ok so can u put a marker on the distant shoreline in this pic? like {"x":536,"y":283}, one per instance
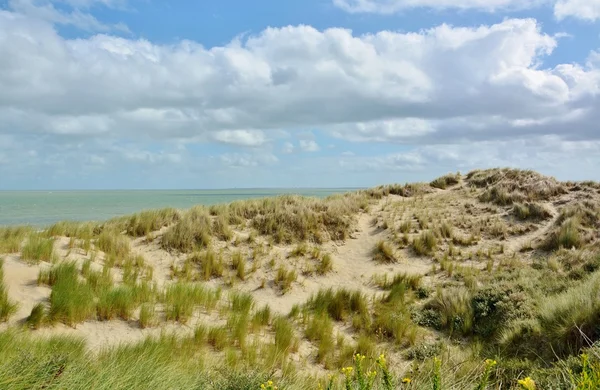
{"x":40,"y":208}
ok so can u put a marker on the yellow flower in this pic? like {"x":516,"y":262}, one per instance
{"x":381,"y":360}
{"x":262,"y":386}
{"x":359,"y":357}
{"x":347,"y":371}
{"x":527,"y":383}
{"x":490,"y":363}
{"x":371,"y":374}
{"x":406,"y":380}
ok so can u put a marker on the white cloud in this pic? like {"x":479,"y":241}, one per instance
{"x":241,"y":137}
{"x":309,"y":145}
{"x":581,"y":9}
{"x":393,"y":6}
{"x":45,"y":10}
{"x":287,"y":148}
{"x":247,"y":160}
{"x":437,"y":87}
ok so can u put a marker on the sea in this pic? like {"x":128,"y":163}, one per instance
{"x":42,"y":208}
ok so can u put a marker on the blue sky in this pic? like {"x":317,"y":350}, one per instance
{"x":313,"y":93}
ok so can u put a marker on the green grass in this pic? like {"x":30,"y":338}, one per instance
{"x":383,"y":253}
{"x":445,"y":181}
{"x":221,"y":229}
{"x":7,"y":306}
{"x":182,"y":299}
{"x":81,"y":230}
{"x":38,"y":248}
{"x":147,"y":315}
{"x":284,"y":278}
{"x":455,"y":310}
{"x":118,"y":302}
{"x":11,"y":238}
{"x":192,"y":232}
{"x":319,"y":330}
{"x":113,"y":244}
{"x":530,"y":211}
{"x":71,"y":301}
{"x":325,"y":264}
{"x":239,"y":264}
{"x":338,"y":304}
{"x":210,"y":264}
{"x":284,"y":335}
{"x":425,"y":243}
{"x":65,"y":270}
{"x":37,"y":317}
{"x":141,"y":224}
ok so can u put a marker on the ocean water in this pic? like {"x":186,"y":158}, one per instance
{"x":40,"y":208}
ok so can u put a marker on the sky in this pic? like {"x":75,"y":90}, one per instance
{"x":148,"y":94}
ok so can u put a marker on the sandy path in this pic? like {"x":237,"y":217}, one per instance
{"x":514,"y":245}
{"x":21,"y":282}
{"x":353,"y":267}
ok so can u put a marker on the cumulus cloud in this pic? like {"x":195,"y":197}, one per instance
{"x":288,"y":148}
{"x":581,"y":9}
{"x":241,"y":137}
{"x":441,"y":86}
{"x":309,"y":145}
{"x":393,"y":6}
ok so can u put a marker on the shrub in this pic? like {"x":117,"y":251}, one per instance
{"x":37,"y":248}
{"x":383,"y":253}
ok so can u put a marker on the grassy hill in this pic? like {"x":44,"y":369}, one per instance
{"x":485,"y":280}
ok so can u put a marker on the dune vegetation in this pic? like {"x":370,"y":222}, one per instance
{"x":489,"y":280}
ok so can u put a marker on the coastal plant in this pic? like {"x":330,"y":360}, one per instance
{"x":11,"y":238}
{"x":147,"y":317}
{"x":37,"y":316}
{"x":71,"y":301}
{"x":7,"y":306}
{"x":239,"y":264}
{"x":284,"y":278}
{"x":192,"y":232}
{"x":210,"y":264}
{"x":146,"y":222}
{"x":116,"y":302}
{"x":38,"y":248}
{"x":383,"y":253}
{"x":425,"y":243}
{"x":325,"y":264}
{"x":113,"y":244}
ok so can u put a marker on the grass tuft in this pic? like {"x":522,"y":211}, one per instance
{"x":383,"y":253}
{"x":38,"y":248}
